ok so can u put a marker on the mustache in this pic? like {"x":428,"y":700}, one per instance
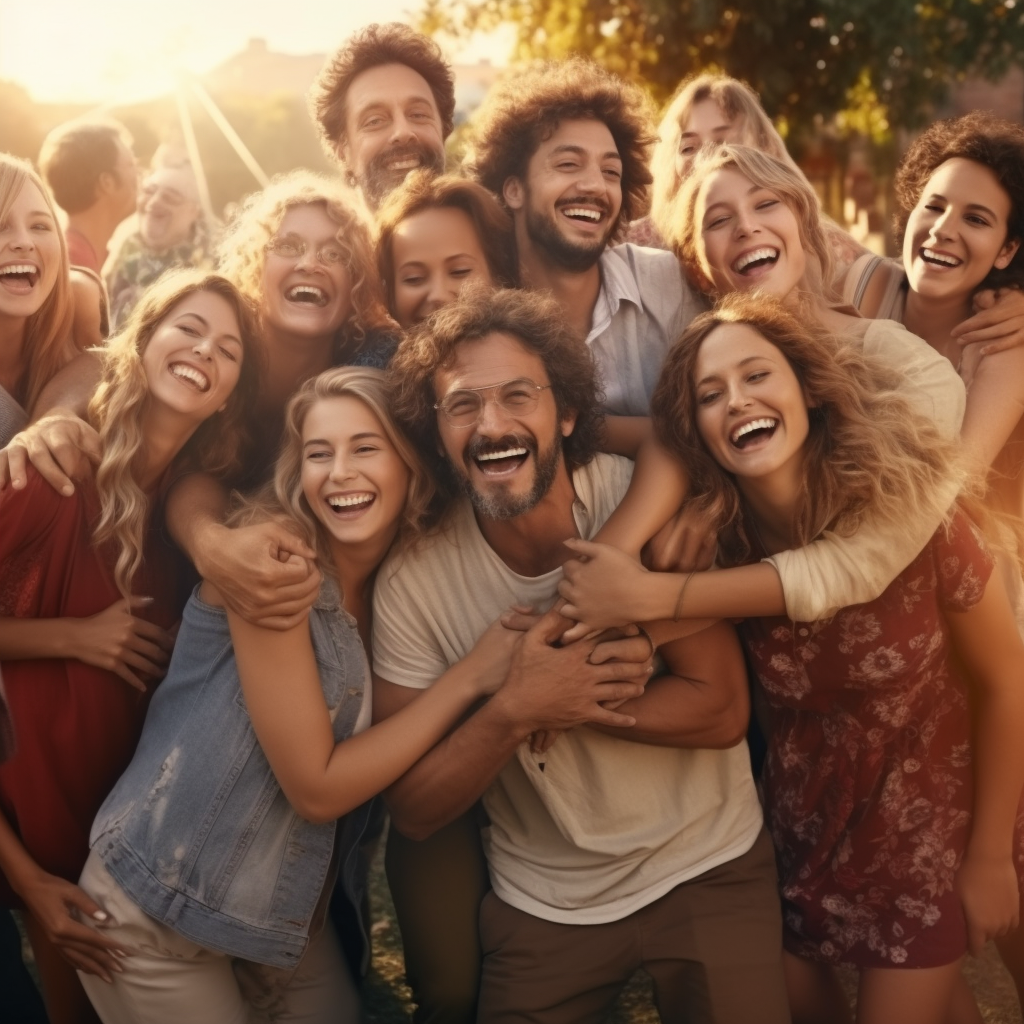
{"x":598,"y":201}
{"x":428,"y":158}
{"x":487,"y":446}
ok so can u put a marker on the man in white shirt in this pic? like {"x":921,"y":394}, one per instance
{"x":635,"y":839}
{"x":566,"y":146}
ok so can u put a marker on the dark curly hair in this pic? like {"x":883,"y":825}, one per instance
{"x":535,"y":320}
{"x":527,"y":107}
{"x":987,"y":140}
{"x":371,"y":47}
{"x":422,"y":191}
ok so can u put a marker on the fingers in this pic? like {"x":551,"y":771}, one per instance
{"x":550,"y":626}
{"x":45,"y":465}
{"x":281,"y":622}
{"x":119,"y":668}
{"x":578,"y":632}
{"x":586,"y":548}
{"x":288,"y":543}
{"x":153,"y":637}
{"x":628,"y":650}
{"x":518,"y":620}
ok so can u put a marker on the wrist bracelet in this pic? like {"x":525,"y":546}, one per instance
{"x":679,"y":600}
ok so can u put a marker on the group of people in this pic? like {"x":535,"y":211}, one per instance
{"x":417,"y":494}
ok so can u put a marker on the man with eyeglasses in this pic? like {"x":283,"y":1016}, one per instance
{"x":635,"y":839}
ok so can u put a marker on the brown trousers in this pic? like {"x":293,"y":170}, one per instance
{"x":712,"y":946}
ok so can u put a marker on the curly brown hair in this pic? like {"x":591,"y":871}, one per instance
{"x":421,"y":191}
{"x":535,"y":320}
{"x":242,"y":253}
{"x":527,"y":107}
{"x":371,"y":47}
{"x":987,"y":140}
{"x":867,"y":451}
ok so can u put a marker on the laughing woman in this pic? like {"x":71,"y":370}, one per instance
{"x":35,"y":296}
{"x":217,"y":850}
{"x":896,"y":853}
{"x":89,"y":592}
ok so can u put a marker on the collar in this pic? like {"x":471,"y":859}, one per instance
{"x":618,"y":285}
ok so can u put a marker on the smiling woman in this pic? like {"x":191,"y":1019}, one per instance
{"x":35,"y":299}
{"x":90,"y":590}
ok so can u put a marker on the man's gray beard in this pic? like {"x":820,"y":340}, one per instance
{"x":498,"y":505}
{"x":377,"y":182}
{"x":557,"y":248}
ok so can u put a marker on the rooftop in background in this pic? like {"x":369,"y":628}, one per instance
{"x":259,"y":71}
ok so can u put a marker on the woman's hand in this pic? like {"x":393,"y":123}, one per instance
{"x":491,"y":653}
{"x":120,"y":642}
{"x":58,"y":906}
{"x":602,"y":587}
{"x":997,"y":323}
{"x":988,"y":890}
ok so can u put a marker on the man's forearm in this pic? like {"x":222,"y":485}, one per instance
{"x":196,"y":502}
{"x":454,"y":775}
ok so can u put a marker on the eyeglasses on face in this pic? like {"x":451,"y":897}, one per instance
{"x":464,"y":407}
{"x":291,"y":248}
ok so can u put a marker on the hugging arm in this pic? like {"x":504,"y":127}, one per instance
{"x":322,"y":779}
{"x":263,"y":572}
{"x":545,"y":688}
{"x":59,"y":442}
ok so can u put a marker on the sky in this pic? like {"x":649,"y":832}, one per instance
{"x":122,"y":51}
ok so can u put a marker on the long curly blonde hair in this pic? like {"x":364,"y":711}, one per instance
{"x":738,"y":102}
{"x":282,"y":498}
{"x":49,"y":343}
{"x":867,"y":450}
{"x":242,"y":253}
{"x":116,"y":412}
{"x":785,"y":180}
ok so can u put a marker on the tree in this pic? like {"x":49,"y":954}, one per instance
{"x":878,"y":62}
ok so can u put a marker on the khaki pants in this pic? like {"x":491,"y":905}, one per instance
{"x":712,"y":946}
{"x":171,"y":980}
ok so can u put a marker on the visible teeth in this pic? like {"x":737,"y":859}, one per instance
{"x":762,"y":424}
{"x":581,"y":211}
{"x":509,"y":453}
{"x":18,"y":268}
{"x":307,"y":289}
{"x":752,"y":257}
{"x":941,"y":257}
{"x":404,"y":165}
{"x":348,"y":500}
{"x":198,"y":378}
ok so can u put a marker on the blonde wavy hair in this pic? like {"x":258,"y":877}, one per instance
{"x":116,"y":411}
{"x":49,"y":343}
{"x":867,"y":451}
{"x":684,"y":231}
{"x":283,"y":499}
{"x":740,"y":105}
{"x":242,"y":253}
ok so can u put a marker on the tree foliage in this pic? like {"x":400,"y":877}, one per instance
{"x":876,"y":62}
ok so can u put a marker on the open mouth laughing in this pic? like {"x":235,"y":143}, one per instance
{"x":584,"y":211}
{"x":751,"y":262}
{"x":936,"y":258}
{"x":19,"y":278}
{"x":306,"y":294}
{"x":753,"y":433}
{"x":498,"y":459}
{"x":190,"y":376}
{"x":350,"y":504}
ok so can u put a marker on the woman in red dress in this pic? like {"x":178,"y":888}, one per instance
{"x":88,"y":594}
{"x":892,"y":789}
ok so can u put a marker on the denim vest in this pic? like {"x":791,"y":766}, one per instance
{"x":197,"y":831}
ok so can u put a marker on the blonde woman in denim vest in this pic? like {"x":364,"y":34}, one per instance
{"x":217,"y":850}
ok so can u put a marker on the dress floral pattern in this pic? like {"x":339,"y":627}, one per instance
{"x":868,"y":781}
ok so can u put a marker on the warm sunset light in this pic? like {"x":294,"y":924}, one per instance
{"x":113,"y":52}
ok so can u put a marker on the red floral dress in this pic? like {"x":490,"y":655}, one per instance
{"x":75,"y":725}
{"x":868,"y":784}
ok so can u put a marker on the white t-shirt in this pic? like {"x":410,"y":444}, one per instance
{"x":597,"y":827}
